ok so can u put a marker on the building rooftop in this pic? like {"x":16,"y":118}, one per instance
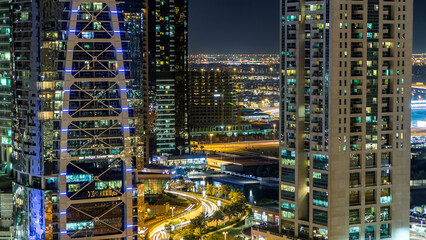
{"x":224,"y":178}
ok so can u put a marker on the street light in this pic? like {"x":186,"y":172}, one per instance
{"x":274,"y":129}
{"x":181,"y":220}
{"x":229,"y":134}
{"x":204,"y":182}
{"x":211,"y":138}
{"x":172,"y":208}
{"x":225,"y":233}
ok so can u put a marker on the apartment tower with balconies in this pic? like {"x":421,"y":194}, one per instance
{"x":345,"y":119}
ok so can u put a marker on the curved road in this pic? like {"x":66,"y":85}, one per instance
{"x":194,"y":203}
{"x":209,"y":207}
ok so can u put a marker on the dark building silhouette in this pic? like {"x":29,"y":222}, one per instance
{"x":166,"y":49}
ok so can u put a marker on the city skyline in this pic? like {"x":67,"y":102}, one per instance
{"x":215,"y":120}
{"x":258,"y":30}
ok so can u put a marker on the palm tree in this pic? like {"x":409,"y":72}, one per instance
{"x":218,"y":215}
{"x":214,"y":191}
{"x":199,"y":222}
{"x":172,"y":184}
{"x":190,"y":186}
{"x":226,"y":210}
{"x":224,"y":190}
{"x":209,"y":189}
{"x":180,"y":148}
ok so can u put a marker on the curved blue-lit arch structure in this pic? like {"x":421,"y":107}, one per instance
{"x":77,"y":143}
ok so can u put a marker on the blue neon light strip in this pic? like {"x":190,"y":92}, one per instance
{"x":114,"y":11}
{"x":119,"y":50}
{"x":64,"y":213}
{"x":126,"y":127}
{"x":129,"y":169}
{"x":68,"y":70}
{"x":125,"y":108}
{"x":121,"y":70}
{"x":64,"y":149}
{"x":65,"y":110}
{"x":72,"y":30}
{"x":129,"y":225}
{"x":64,"y":130}
{"x":129,"y":188}
{"x":74,"y":10}
{"x":64,"y":232}
{"x":63,"y":173}
{"x":115,"y":31}
{"x":123,"y":89}
{"x":63,"y":193}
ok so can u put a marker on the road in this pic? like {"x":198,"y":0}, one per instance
{"x":159,"y":231}
{"x":268,"y":147}
{"x":194,"y":204}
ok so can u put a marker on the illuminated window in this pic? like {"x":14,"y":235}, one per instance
{"x":354,"y":233}
{"x":370,"y":215}
{"x":385,"y":196}
{"x":291,"y":18}
{"x":354,"y":216}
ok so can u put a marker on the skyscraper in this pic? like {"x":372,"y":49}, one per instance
{"x":167,"y":44}
{"x":345,"y":118}
{"x":77,"y":91}
{"x":212,"y":101}
{"x":5,"y":90}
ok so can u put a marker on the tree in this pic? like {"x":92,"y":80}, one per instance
{"x":224,"y":190}
{"x":180,"y":148}
{"x":202,"y":148}
{"x":214,"y":191}
{"x":172,"y":184}
{"x":237,"y":208}
{"x":226,"y":210}
{"x":190,"y":186}
{"x":237,"y":197}
{"x":189,"y":235}
{"x":199,"y":223}
{"x":218,"y":215}
{"x":209,"y":189}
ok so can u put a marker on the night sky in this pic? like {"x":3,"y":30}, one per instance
{"x":252,"y":26}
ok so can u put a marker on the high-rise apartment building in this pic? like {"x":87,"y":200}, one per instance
{"x":77,"y":90}
{"x":5,"y":90}
{"x":166,"y":49}
{"x":212,"y":101}
{"x":345,"y":119}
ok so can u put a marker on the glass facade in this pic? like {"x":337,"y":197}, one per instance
{"x":5,"y":88}
{"x":78,"y":95}
{"x":167,"y":52}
